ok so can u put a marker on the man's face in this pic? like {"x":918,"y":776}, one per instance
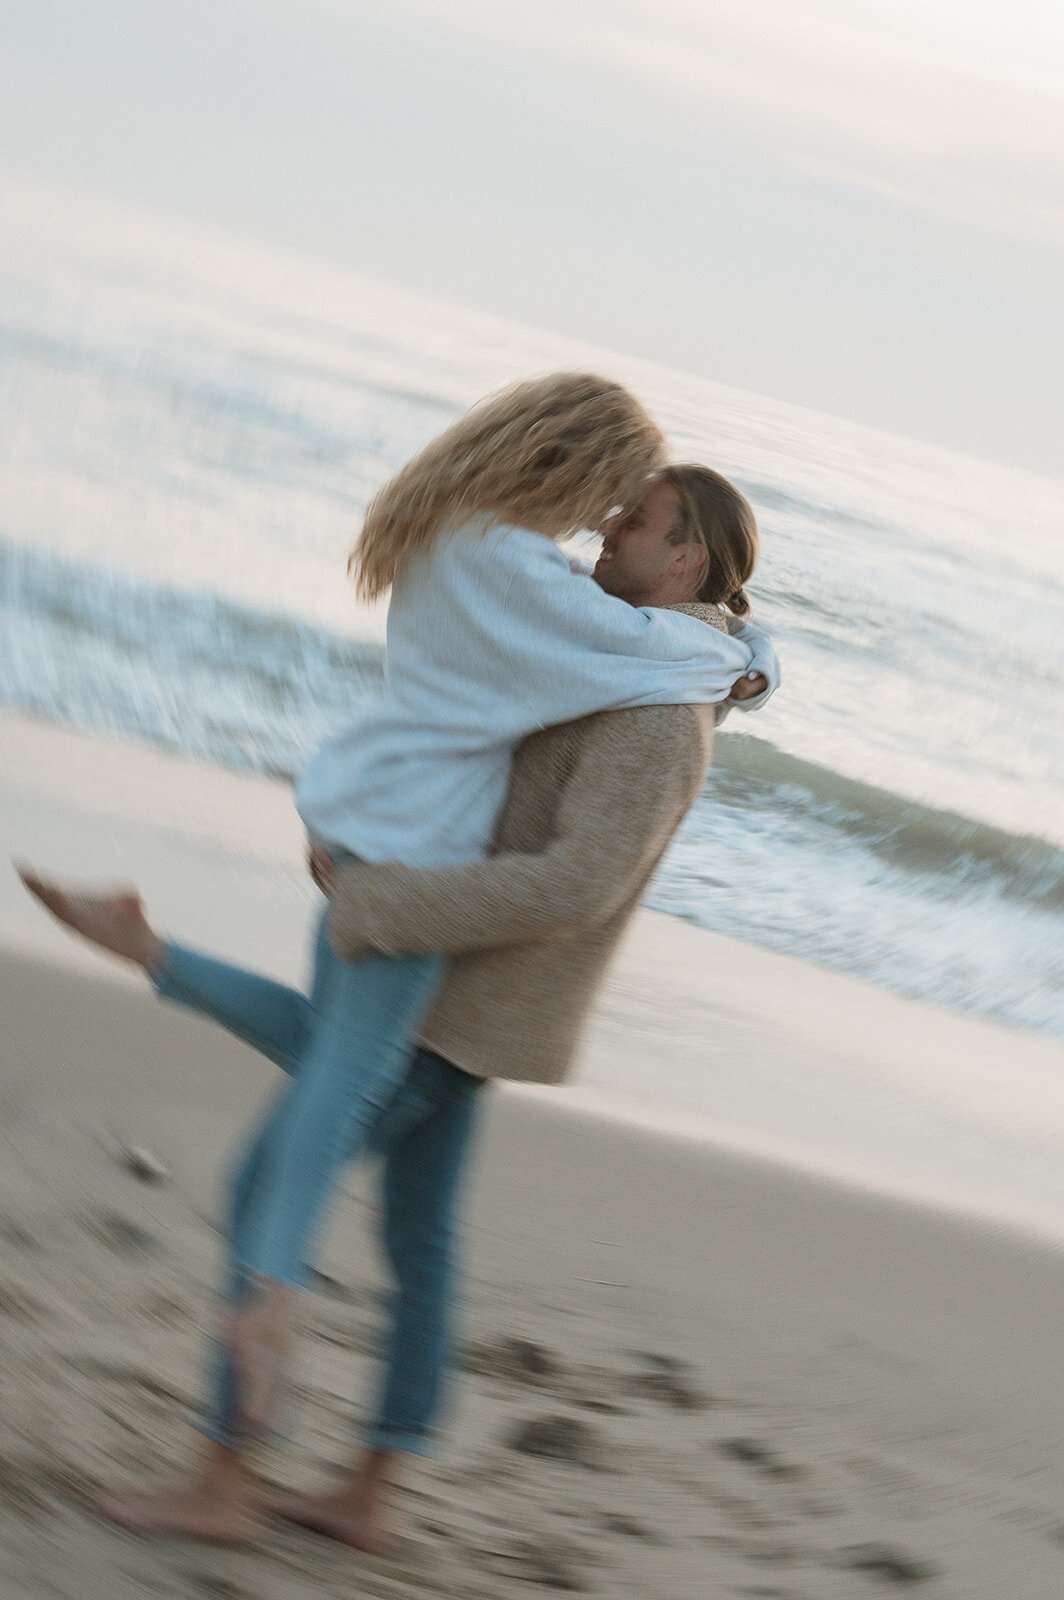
{"x":637,"y":559}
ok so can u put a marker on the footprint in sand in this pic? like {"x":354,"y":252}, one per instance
{"x":666,"y":1380}
{"x":616,"y":1522}
{"x":759,"y":1456}
{"x":360,"y":1337}
{"x":129,"y":1377}
{"x":559,"y":1438}
{"x":553,"y":1564}
{"x":518,"y":1361}
{"x":119,"y":1234}
{"x":767,"y":1552}
{"x":881,"y":1561}
{"x":522,"y":1363}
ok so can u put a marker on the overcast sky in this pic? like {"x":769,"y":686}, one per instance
{"x":851,"y":204}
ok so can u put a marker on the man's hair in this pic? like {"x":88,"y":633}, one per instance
{"x":556,"y":454}
{"x":713,"y":512}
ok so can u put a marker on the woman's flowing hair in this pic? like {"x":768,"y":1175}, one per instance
{"x":554,"y":454}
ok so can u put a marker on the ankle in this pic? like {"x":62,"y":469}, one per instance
{"x":153,"y":956}
{"x":374,"y":1471}
{"x":223,"y":1473}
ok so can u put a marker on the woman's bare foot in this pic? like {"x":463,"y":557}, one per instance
{"x":357,"y":1513}
{"x":260,"y":1334}
{"x":113,"y":919}
{"x":218,"y":1503}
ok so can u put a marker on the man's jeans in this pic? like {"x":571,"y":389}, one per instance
{"x":358,"y":1084}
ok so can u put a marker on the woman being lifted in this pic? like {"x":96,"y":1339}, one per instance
{"x":490,"y":636}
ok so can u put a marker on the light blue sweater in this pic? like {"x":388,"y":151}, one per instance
{"x":491,"y":636}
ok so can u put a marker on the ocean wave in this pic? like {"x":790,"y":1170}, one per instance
{"x":189,"y":671}
{"x":771,"y":497}
{"x":921,"y":839}
{"x":780,"y":850}
{"x":795,"y":858}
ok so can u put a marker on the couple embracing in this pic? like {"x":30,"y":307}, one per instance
{"x":481,"y":832}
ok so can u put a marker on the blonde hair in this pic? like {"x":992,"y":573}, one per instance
{"x":714,"y":513}
{"x":555,"y":454}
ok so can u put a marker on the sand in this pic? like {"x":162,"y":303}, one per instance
{"x":755,"y":1355}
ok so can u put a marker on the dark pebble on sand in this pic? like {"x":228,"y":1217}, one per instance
{"x":143,"y":1164}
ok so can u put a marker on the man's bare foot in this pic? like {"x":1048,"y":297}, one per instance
{"x":358,"y":1513}
{"x":189,"y":1507}
{"x":114,"y":919}
{"x":260,"y":1334}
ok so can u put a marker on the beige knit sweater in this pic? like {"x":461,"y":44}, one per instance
{"x":590,"y":809}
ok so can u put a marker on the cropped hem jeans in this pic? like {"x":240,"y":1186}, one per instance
{"x":359,"y":1084}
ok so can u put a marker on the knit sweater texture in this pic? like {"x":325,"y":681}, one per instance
{"x":591,"y":806}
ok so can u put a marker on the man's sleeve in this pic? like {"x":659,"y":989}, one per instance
{"x":630,"y":790}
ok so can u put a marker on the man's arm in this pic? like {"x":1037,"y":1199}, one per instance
{"x":637,"y":773}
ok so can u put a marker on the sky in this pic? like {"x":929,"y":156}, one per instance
{"x":854,"y":205}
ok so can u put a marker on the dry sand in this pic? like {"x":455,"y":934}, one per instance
{"x":690,"y":1369}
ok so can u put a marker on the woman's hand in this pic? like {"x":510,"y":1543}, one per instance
{"x":749,"y":687}
{"x":322,"y":868}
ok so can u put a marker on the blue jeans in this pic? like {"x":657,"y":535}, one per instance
{"x":358,"y":1084}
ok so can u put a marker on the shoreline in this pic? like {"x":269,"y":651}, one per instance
{"x":695,"y":1035}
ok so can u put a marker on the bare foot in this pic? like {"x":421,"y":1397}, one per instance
{"x":188,"y":1507}
{"x":356,"y":1514}
{"x":260,"y":1334}
{"x":114,"y":920}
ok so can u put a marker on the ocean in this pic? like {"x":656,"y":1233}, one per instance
{"x":192,"y":426}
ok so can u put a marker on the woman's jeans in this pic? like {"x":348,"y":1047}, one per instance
{"x":358,"y":1084}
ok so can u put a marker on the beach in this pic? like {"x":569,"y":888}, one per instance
{"x":806,"y":1347}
